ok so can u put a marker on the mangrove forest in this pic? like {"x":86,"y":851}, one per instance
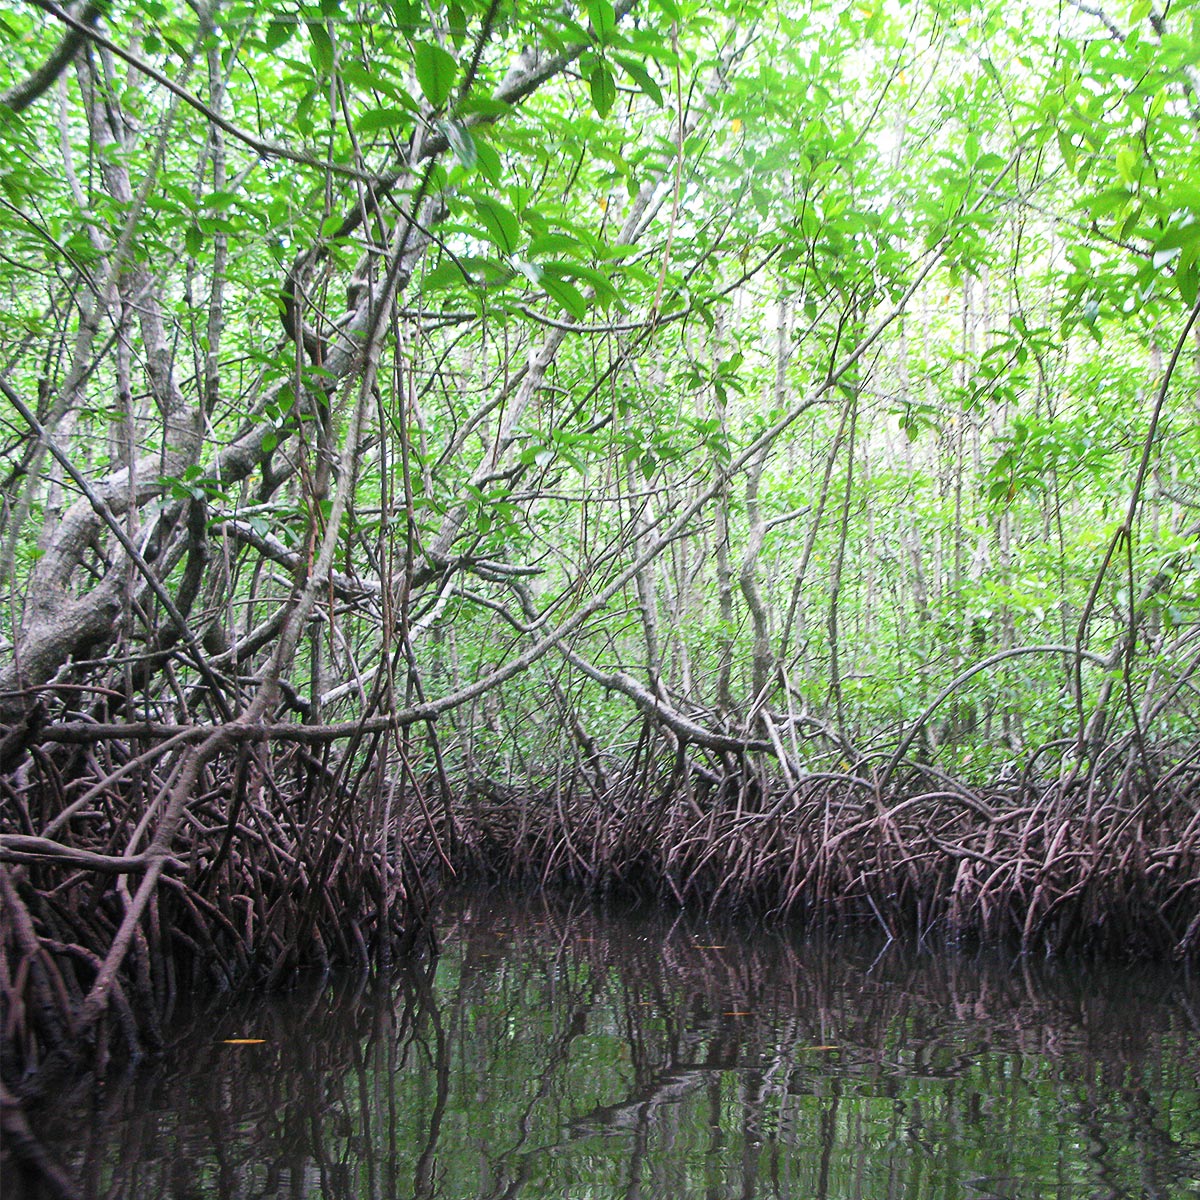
{"x":738,"y":456}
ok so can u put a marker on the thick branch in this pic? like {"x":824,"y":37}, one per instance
{"x":22,"y":95}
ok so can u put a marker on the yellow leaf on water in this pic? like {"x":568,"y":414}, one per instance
{"x":244,"y":1041}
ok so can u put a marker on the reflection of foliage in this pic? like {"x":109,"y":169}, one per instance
{"x":561,"y":1053}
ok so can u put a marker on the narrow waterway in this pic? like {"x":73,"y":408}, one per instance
{"x":559,"y":1053}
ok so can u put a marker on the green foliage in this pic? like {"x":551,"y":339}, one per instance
{"x":687,"y":180}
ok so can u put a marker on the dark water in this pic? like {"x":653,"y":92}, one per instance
{"x":568,"y":1054}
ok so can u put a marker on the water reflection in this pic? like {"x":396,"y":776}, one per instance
{"x":568,"y":1054}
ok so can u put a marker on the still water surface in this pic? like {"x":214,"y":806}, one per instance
{"x":571,"y":1054}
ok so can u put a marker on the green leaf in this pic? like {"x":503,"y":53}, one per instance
{"x":278,"y":33}
{"x":321,"y":50}
{"x":503,"y":228}
{"x":567,"y":295}
{"x":221,"y":199}
{"x":218,"y":225}
{"x":1067,"y":149}
{"x":382,"y":118}
{"x":1188,"y":281}
{"x":603,"y":88}
{"x":456,"y":19}
{"x":358,"y":76}
{"x":193,"y":240}
{"x":444,"y":275}
{"x":555,"y":243}
{"x":1178,"y":236}
{"x":531,"y":271}
{"x":436,"y":71}
{"x":407,"y":13}
{"x":570,"y":270}
{"x":1127,"y":160}
{"x":603,"y":19}
{"x":642,"y":78}
{"x":1107,"y":201}
{"x":489,"y":161}
{"x":461,"y":142}
{"x":485,"y":106}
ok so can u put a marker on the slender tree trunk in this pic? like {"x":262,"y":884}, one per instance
{"x":835,"y":578}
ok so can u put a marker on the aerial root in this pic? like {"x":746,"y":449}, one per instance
{"x":1106,"y":864}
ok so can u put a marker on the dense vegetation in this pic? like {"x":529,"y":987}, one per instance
{"x":741,"y":452}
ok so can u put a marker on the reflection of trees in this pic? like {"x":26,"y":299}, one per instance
{"x":559,"y":1051}
{"x":310,"y":1112}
